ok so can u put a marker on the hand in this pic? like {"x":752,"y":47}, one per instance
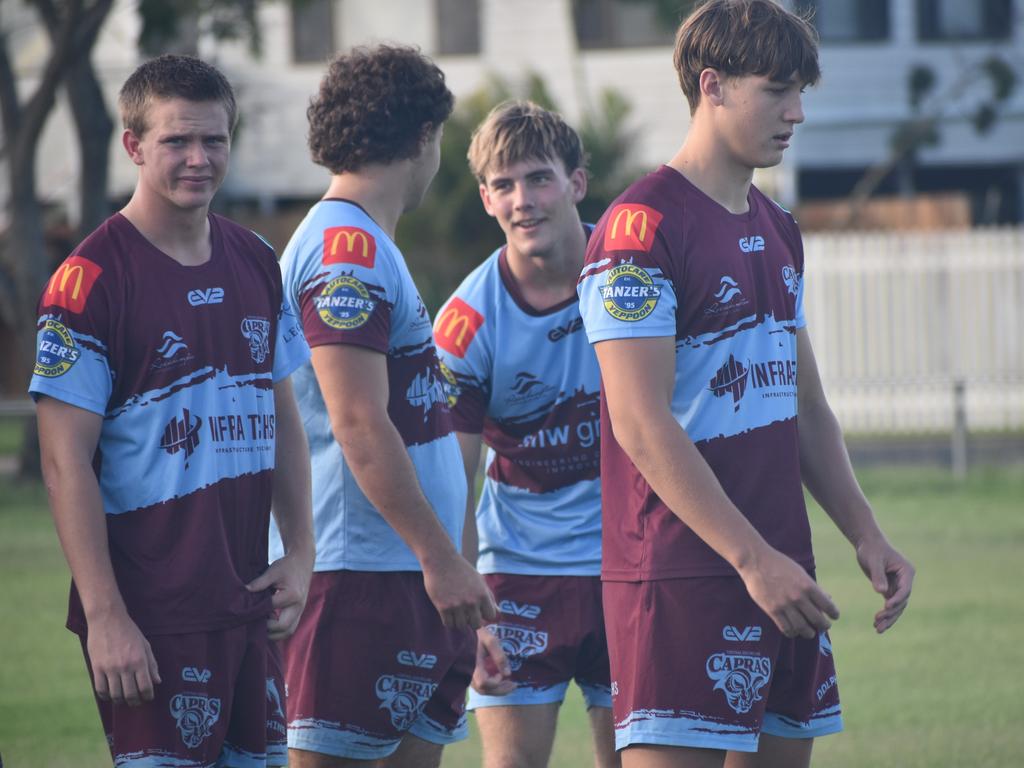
{"x":289,"y":578}
{"x":892,"y":576}
{"x":790,"y":597}
{"x":492,"y":674}
{"x":458,"y":592}
{"x":124,"y":669}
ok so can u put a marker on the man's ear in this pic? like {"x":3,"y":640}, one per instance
{"x":132,"y":145}
{"x":712,"y":87}
{"x":485,"y":198}
{"x":578,"y":179}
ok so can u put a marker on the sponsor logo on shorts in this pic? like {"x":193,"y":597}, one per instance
{"x":740,"y":676}
{"x":744,"y":635}
{"x":403,"y":698}
{"x":425,"y":391}
{"x":751,"y":244}
{"x":420,"y":660}
{"x":345,"y":303}
{"x":629,"y":294}
{"x":456,"y":327}
{"x":274,"y":698}
{"x":349,"y":245}
{"x":525,"y":610}
{"x":182,"y":434}
{"x":615,"y":687}
{"x":195,"y":716}
{"x":71,"y":284}
{"x":195,"y":675}
{"x":791,"y":278}
{"x":631,"y":228}
{"x":201,"y":296}
{"x":825,"y":687}
{"x":56,"y":351}
{"x":824,"y":645}
{"x":559,"y":332}
{"x":256,"y":330}
{"x":518,"y":643}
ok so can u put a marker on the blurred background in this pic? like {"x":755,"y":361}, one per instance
{"x":907,"y":179}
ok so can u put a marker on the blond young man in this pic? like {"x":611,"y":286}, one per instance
{"x":693,"y":296}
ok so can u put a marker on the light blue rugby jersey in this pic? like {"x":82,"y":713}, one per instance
{"x":352,"y":286}
{"x":529,"y":382}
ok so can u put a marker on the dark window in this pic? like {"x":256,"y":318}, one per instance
{"x":620,"y":24}
{"x":961,"y":20}
{"x":312,"y":30}
{"x":458,"y":27}
{"x":848,"y":20}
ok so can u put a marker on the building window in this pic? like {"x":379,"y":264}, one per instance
{"x":959,"y":20}
{"x":620,"y":24}
{"x":843,"y":21}
{"x":312,"y":30}
{"x":458,"y":27}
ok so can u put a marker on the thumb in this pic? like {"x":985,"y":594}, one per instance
{"x":879,"y":578}
{"x":264,"y":581}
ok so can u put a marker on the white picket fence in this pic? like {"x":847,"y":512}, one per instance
{"x":898,"y":318}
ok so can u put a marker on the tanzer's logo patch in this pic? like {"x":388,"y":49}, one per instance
{"x":56,"y":351}
{"x":345,"y":303}
{"x":629,"y":293}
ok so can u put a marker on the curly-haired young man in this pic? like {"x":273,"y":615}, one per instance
{"x":380,"y":663}
{"x":693,"y":297}
{"x":167,"y":426}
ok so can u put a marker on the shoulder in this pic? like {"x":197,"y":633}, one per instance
{"x":480,"y":287}
{"x":239,"y":238}
{"x":781,"y":218}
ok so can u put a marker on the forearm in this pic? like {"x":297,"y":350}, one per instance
{"x":377,"y":457}
{"x":826,"y":471}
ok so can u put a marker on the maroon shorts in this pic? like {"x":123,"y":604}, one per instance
{"x":221,"y":702}
{"x":371,"y":661}
{"x":696,"y":663}
{"x":552,"y":630}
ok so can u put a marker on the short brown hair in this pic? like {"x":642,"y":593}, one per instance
{"x":376,"y":105}
{"x":521,"y":130}
{"x":173,"y":77}
{"x":744,"y":37}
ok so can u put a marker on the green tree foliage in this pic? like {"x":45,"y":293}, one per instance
{"x":450,"y":233}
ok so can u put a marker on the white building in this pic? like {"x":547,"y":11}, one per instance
{"x":581,"y":47}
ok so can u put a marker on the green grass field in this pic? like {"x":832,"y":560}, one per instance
{"x":941,"y":689}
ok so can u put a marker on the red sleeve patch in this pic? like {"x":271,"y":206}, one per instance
{"x":349,"y":245}
{"x":71,"y":283}
{"x":456,"y":327}
{"x":631,"y":227}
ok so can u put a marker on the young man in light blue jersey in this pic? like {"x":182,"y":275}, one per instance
{"x":379,"y":665}
{"x":525,"y":382}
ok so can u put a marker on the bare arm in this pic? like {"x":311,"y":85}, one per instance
{"x":292,"y":508}
{"x":828,"y":475}
{"x":354,"y":384}
{"x":638,"y":376}
{"x":470,"y":445}
{"x":124,"y":669}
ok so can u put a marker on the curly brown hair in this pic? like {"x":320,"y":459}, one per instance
{"x":376,"y":105}
{"x":744,"y":37}
{"x":168,"y":77}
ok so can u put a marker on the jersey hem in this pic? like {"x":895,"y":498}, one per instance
{"x":66,"y":396}
{"x":82,"y":630}
{"x":637,"y":574}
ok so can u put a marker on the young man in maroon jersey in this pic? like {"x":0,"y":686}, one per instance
{"x":693,"y":295}
{"x":164,"y":347}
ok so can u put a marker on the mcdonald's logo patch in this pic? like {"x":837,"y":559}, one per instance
{"x":71,"y":283}
{"x":349,"y":245}
{"x":456,"y":327}
{"x":631,"y":228}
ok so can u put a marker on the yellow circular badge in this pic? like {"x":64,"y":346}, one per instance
{"x":345,"y":304}
{"x":629,"y":293}
{"x":56,"y":350}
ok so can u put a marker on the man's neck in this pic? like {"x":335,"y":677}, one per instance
{"x":549,"y":279}
{"x":182,"y":234}
{"x":707,"y":165}
{"x":380,"y":190}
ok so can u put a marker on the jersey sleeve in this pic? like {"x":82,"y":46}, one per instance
{"x":626,"y":288}
{"x":467,"y":362}
{"x":290,"y":349}
{"x":348,"y":288}
{"x":73,"y":360}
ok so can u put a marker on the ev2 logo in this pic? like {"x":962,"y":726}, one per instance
{"x":201,"y":296}
{"x":515,"y":609}
{"x":559,"y":332}
{"x":194,"y":675}
{"x":747,"y":634}
{"x":413,"y":659}
{"x":751,"y":244}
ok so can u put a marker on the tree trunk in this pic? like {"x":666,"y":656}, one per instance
{"x":94,"y":128}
